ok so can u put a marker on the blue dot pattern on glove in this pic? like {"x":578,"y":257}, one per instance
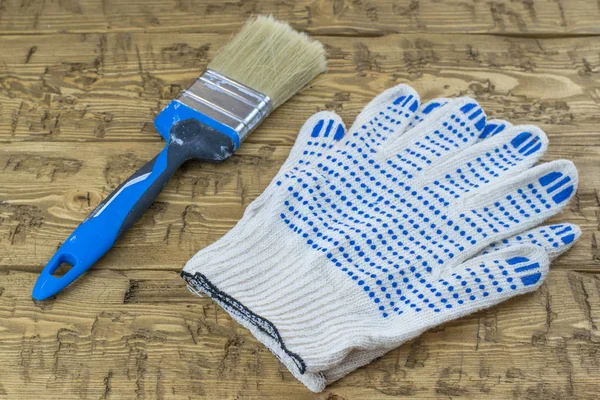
{"x":398,"y":209}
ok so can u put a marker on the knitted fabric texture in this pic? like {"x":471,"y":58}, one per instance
{"x":417,"y":216}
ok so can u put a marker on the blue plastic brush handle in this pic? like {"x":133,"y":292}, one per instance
{"x":189,"y":138}
{"x":99,"y":231}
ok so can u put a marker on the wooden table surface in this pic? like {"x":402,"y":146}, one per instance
{"x":80,"y":84}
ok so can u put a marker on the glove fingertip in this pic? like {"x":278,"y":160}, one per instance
{"x":494,"y":127}
{"x":318,"y":134}
{"x":428,"y":108}
{"x":323,"y":125}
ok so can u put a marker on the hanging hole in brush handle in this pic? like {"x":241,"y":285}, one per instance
{"x":127,"y":203}
{"x":62,"y":269}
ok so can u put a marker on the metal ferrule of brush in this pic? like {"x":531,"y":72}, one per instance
{"x":228,"y":102}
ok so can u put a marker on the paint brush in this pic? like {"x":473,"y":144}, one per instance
{"x":265,"y":64}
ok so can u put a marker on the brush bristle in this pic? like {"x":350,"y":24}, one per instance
{"x":271,"y":57}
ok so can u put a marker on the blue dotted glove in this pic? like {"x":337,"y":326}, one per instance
{"x":366,"y":240}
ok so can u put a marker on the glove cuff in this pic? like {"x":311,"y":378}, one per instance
{"x":261,"y":276}
{"x":263,"y":329}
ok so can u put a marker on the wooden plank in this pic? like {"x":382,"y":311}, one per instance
{"x":337,"y":17}
{"x":201,"y":202}
{"x":66,"y":181}
{"x":110,"y":87}
{"x":141,"y":334}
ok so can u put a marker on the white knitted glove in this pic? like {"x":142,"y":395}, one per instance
{"x":363,"y":243}
{"x":554,"y":239}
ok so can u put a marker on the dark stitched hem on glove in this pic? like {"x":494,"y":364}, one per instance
{"x":200,"y":283}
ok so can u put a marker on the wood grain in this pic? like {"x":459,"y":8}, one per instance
{"x":80,"y":84}
{"x":332,"y":17}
